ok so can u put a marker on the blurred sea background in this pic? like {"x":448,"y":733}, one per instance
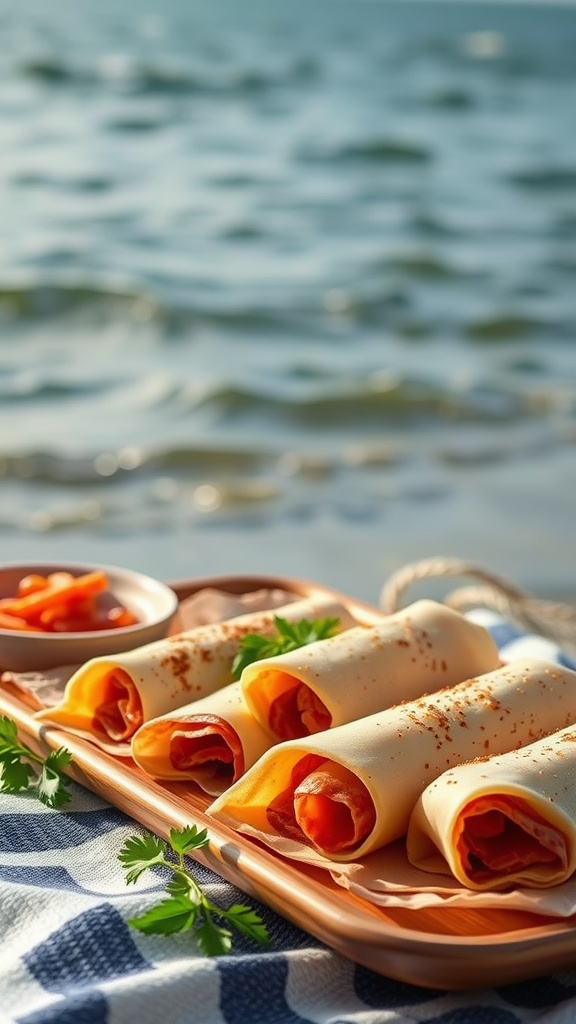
{"x":289,"y":287}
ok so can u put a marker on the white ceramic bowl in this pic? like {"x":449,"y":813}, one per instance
{"x":154,"y":604}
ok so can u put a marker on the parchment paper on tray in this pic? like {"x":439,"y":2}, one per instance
{"x":212,"y":605}
{"x":42,"y":689}
{"x":387,"y":879}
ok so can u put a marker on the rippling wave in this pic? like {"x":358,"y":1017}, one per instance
{"x":141,"y":77}
{"x":265,"y":265}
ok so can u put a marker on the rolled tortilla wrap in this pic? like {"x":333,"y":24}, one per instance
{"x":215,"y":740}
{"x":212,"y":741}
{"x":110,"y":698}
{"x":351,"y":789}
{"x":424,"y":647}
{"x":502,"y":822}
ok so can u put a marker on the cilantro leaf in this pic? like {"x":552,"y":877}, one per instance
{"x":52,"y":786}
{"x":22,"y":768}
{"x":15,"y":775}
{"x":179,"y":885}
{"x":177,"y":914}
{"x":212,"y":938}
{"x":8,"y":732}
{"x":140,"y":853}
{"x":247,"y":921}
{"x":189,"y":838}
{"x":186,"y":906}
{"x":289,"y":637}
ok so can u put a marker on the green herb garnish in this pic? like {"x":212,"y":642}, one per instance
{"x":289,"y":637}
{"x":186,"y":907}
{"x":21,"y":768}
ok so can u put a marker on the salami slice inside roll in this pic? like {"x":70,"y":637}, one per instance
{"x":500,"y":822}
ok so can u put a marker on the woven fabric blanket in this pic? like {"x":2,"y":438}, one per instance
{"x":68,"y":954}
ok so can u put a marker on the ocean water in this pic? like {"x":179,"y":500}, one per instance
{"x":289,"y":288}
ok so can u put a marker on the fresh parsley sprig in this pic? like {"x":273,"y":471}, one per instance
{"x":289,"y":637}
{"x":186,"y":906}
{"x":21,"y":768}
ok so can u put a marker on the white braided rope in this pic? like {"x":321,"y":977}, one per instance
{"x":551,"y":619}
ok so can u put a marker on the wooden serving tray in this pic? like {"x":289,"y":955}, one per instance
{"x":446,"y":948}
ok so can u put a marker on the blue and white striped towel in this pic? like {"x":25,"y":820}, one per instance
{"x":68,"y":957}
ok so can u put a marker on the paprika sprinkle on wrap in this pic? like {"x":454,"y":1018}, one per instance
{"x":214,"y":741}
{"x":502,"y":822}
{"x":424,"y":647}
{"x":109,"y":698}
{"x":351,"y":789}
